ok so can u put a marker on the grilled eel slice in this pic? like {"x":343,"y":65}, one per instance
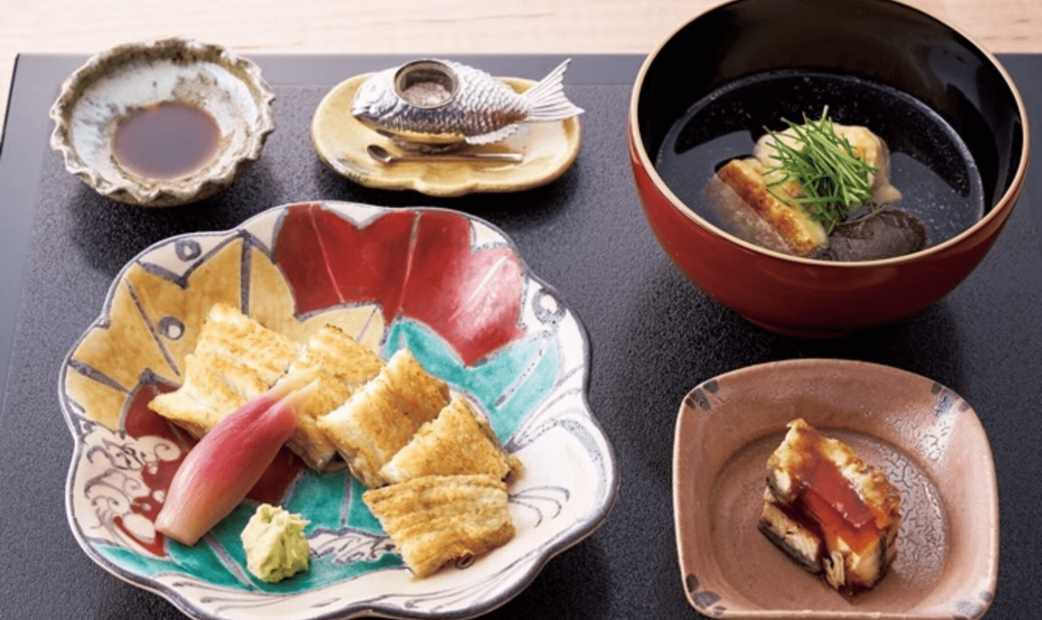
{"x":382,"y":417}
{"x":237,"y":358}
{"x":830,"y":511}
{"x":759,"y":204}
{"x":433,"y":520}
{"x":458,"y":441}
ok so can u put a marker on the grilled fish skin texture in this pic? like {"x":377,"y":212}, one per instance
{"x":339,"y":366}
{"x":436,"y":519}
{"x":380,"y":419}
{"x":456,"y":442}
{"x":802,"y":543}
{"x":799,"y":232}
{"x":759,"y":206}
{"x":483,"y":109}
{"x":237,"y":358}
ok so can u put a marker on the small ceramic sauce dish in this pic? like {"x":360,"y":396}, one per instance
{"x":162,"y":123}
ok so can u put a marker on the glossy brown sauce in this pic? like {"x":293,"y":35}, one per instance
{"x":830,"y":499}
{"x":166,"y":140}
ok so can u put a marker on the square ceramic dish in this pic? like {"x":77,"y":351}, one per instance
{"x":449,"y":287}
{"x":927,"y":440}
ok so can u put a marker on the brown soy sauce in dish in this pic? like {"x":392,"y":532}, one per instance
{"x":166,"y":140}
{"x":942,"y":193}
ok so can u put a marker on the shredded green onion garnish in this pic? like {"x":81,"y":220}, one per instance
{"x":834,"y":179}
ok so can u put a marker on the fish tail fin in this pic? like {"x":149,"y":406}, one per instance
{"x":547,"y":100}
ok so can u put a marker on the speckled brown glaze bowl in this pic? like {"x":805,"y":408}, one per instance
{"x":880,"y":41}
{"x":927,"y":440}
{"x":126,"y":79}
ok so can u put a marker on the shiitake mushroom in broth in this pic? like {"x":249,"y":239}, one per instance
{"x":734,"y":158}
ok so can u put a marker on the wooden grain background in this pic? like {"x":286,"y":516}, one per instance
{"x":419,"y":26}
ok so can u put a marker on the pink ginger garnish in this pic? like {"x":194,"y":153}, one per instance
{"x":226,"y":463}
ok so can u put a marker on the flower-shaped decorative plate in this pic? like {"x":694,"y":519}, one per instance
{"x":449,"y":287}
{"x":340,"y":141}
{"x":927,"y":440}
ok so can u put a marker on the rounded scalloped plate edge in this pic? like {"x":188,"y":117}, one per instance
{"x":343,"y":152}
{"x":595,"y":514}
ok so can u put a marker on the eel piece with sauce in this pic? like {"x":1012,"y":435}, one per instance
{"x":829,"y":511}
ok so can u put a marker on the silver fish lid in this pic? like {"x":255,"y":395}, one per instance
{"x":427,"y":84}
{"x":431,"y":103}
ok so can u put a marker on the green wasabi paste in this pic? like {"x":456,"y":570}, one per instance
{"x":275,"y":544}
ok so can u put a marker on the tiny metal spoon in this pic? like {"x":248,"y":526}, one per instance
{"x":384,"y":156}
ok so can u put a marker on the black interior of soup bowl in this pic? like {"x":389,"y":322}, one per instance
{"x":874,"y":40}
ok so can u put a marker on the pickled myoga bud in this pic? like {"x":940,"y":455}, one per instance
{"x":226,"y":463}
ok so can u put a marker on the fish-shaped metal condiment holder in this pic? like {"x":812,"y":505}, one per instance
{"x":443,"y":103}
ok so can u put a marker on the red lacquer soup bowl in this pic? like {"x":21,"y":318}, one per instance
{"x":890,"y":46}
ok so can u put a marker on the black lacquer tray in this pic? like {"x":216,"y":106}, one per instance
{"x":653,"y":335}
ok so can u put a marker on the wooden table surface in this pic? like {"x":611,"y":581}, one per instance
{"x":419,"y":26}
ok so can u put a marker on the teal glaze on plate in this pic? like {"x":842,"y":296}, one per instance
{"x":503,"y":338}
{"x":200,"y":562}
{"x":322,"y":497}
{"x":358,"y":515}
{"x":333,"y":501}
{"x":508,"y":385}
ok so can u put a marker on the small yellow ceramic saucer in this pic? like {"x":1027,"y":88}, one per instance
{"x":340,"y":142}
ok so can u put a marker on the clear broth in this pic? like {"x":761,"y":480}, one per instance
{"x":930,"y":164}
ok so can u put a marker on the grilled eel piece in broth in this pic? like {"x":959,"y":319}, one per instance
{"x":830,"y":511}
{"x":757,"y":201}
